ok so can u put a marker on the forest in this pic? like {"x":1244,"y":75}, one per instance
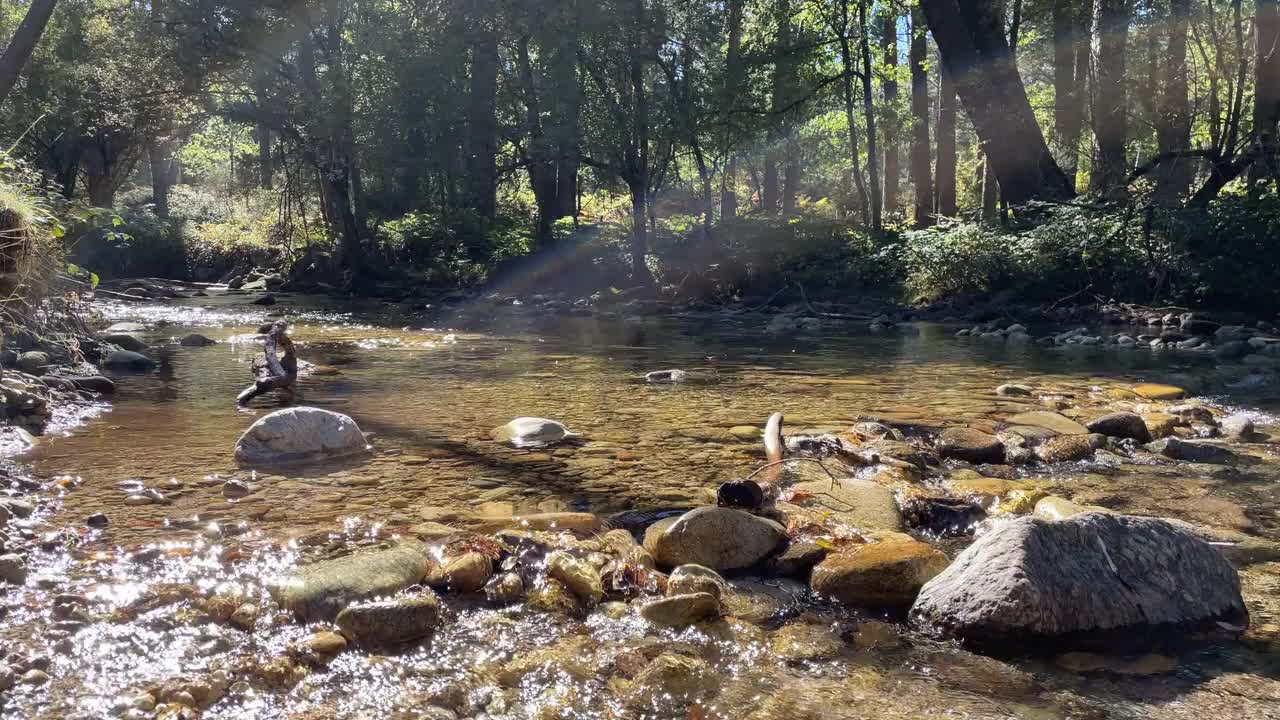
{"x":918,"y":151}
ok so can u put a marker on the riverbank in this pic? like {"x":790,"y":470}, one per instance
{"x":170,"y":609}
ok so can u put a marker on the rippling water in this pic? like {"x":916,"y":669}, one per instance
{"x":428,"y":386}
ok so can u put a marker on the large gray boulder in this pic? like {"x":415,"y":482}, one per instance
{"x":128,"y":360}
{"x":322,"y":590}
{"x":716,"y":537}
{"x":299,"y":434}
{"x":1077,"y":578}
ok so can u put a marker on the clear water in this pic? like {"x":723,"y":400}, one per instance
{"x":428,"y":386}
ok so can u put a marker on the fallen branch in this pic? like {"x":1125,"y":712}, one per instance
{"x":832,"y":316}
{"x":1072,"y":295}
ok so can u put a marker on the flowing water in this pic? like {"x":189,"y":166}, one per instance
{"x":428,"y":385}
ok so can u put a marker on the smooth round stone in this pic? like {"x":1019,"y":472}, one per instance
{"x":390,"y":622}
{"x":680,"y":610}
{"x":1060,"y":424}
{"x":1154,"y":391}
{"x":801,"y":642}
{"x":716,"y":537}
{"x":531,"y":432}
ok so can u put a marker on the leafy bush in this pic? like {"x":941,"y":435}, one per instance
{"x":455,"y":250}
{"x":1227,"y":253}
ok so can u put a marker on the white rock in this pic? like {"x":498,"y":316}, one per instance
{"x":300,"y":434}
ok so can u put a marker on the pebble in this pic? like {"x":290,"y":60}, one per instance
{"x":389,"y":622}
{"x":13,"y":569}
{"x":235,"y":489}
{"x":689,"y":579}
{"x":245,"y":616}
{"x":325,"y":643}
{"x":97,"y":520}
{"x":581,"y":579}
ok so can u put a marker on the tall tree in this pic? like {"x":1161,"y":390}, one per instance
{"x":1173,"y":128}
{"x":733,"y":78}
{"x":23,"y":43}
{"x":889,"y":85}
{"x":946,"y":163}
{"x":868,"y":109}
{"x":848,"y":69}
{"x":972,"y":44}
{"x":1070,"y":45}
{"x":921,"y":174}
{"x":1266,"y":104}
{"x":778,"y":151}
{"x":481,"y":144}
{"x":1110,"y":114}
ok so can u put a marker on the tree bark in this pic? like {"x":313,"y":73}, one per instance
{"x":164,"y":171}
{"x":946,"y":169}
{"x":1110,"y":123}
{"x":868,"y":111}
{"x":921,"y":173}
{"x":990,"y":191}
{"x":974,"y":50}
{"x":733,"y":81}
{"x":23,"y":43}
{"x":1266,"y":106}
{"x":778,"y":152}
{"x":481,"y":193}
{"x":889,"y":39}
{"x":848,"y":70}
{"x":1173,"y":129}
{"x":1070,"y":47}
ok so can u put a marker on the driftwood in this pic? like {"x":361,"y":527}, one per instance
{"x":748,"y":493}
{"x":280,"y":369}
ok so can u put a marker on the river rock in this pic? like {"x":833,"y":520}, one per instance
{"x":970,"y":445}
{"x":680,"y":610}
{"x":196,"y":340}
{"x":670,"y":684}
{"x":33,"y":362}
{"x":1159,"y":425}
{"x":666,"y":376}
{"x":531,"y":432}
{"x":1068,"y":579}
{"x":1053,"y":507}
{"x":862,"y":504}
{"x":1192,"y":413}
{"x":1060,"y":424}
{"x":719,"y":538}
{"x":125,"y":327}
{"x":1065,"y":448}
{"x":93,"y":383}
{"x":887,"y":573}
{"x":624,"y":545}
{"x":942,"y":516}
{"x":1153,"y":391}
{"x":797,"y":560}
{"x":391,"y":622}
{"x":299,"y":434}
{"x":465,"y":573}
{"x":1238,"y":428}
{"x":13,"y":569}
{"x":1121,"y":425}
{"x":1014,"y":390}
{"x":15,"y":441}
{"x":126,"y":341}
{"x":581,"y":579}
{"x":321,"y":590}
{"x":1197,"y":452}
{"x":128,"y":360}
{"x":803,"y":641}
{"x":690,"y":579}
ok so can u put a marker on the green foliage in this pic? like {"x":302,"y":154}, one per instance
{"x":459,"y":249}
{"x":1227,"y":253}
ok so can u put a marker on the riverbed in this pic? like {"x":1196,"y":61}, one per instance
{"x":427,"y":384}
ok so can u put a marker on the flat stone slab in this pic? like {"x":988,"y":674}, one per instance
{"x":1060,"y":424}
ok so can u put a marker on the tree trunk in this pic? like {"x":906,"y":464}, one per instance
{"x":975,"y":52}
{"x":638,"y":170}
{"x":990,"y":191}
{"x":1110,"y":125}
{"x":946,"y":180}
{"x":848,"y":70}
{"x":1173,"y":128}
{"x":889,"y":38}
{"x":1070,"y":68}
{"x":164,"y":171}
{"x":23,"y":44}
{"x":868,"y":111}
{"x":1266,"y":106}
{"x":921,"y":173}
{"x":779,"y":150}
{"x":481,"y":192}
{"x":733,"y":81}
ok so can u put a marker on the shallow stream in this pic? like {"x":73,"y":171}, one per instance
{"x":428,"y":386}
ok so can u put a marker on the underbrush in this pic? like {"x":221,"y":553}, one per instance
{"x":1223,"y":256}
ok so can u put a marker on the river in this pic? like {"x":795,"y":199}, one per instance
{"x":428,"y":385}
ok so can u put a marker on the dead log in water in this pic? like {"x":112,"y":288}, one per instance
{"x":278,"y":371}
